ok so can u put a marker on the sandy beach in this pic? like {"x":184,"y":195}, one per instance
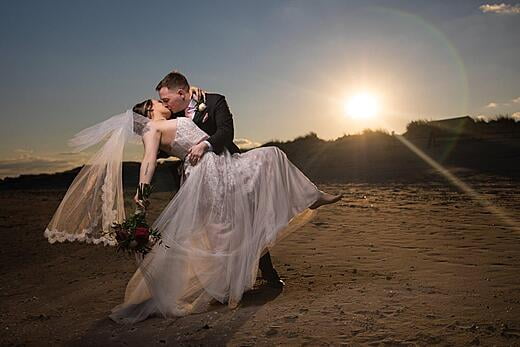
{"x":391,"y":264}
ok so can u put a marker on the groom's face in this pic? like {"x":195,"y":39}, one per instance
{"x":176,"y":100}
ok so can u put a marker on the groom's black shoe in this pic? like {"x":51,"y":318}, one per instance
{"x":273,"y":280}
{"x":269,"y":274}
{"x":275,"y":283}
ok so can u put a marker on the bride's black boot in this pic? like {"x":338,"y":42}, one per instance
{"x":269,"y":274}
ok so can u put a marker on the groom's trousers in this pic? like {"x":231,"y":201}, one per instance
{"x":266,"y":266}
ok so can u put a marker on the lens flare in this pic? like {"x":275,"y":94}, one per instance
{"x":488,"y":205}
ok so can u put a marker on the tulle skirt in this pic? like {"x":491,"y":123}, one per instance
{"x":227,"y":213}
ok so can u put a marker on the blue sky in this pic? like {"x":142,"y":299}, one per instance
{"x":286,"y":67}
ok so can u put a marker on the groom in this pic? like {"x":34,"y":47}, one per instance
{"x":214,"y":117}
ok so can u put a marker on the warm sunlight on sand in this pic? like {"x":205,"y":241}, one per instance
{"x":362,"y":106}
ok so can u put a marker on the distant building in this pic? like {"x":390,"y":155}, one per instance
{"x":458,"y":125}
{"x":452,"y":127}
{"x":464,"y":127}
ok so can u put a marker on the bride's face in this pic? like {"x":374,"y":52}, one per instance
{"x":175,"y":100}
{"x":160,"y":110}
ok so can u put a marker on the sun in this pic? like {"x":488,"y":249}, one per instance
{"x":362,"y":105}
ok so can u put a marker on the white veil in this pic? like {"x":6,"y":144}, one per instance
{"x":94,"y":200}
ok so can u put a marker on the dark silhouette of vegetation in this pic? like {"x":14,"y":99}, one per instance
{"x":463,"y":143}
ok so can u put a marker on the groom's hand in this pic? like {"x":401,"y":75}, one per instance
{"x":197,"y":93}
{"x":196,"y":152}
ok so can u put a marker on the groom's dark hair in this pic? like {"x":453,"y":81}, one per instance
{"x":174,"y":80}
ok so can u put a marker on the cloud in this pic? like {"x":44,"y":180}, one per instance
{"x":246,"y":143}
{"x":26,"y":161}
{"x":483,"y":117}
{"x":487,"y":117}
{"x":500,"y":8}
{"x":15,"y":167}
{"x":502,"y":104}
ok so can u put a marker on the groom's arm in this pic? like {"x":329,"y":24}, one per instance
{"x":224,"y":123}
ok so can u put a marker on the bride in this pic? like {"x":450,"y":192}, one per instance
{"x":228,"y":212}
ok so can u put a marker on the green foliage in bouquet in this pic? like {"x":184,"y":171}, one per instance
{"x":134,"y":234}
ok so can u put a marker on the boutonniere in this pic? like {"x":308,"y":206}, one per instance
{"x":200,"y":107}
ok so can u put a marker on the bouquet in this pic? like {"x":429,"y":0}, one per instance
{"x":134,"y":234}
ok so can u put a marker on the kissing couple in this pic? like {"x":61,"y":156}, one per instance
{"x":230,"y":209}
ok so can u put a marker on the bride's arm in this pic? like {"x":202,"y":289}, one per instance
{"x":151,"y":139}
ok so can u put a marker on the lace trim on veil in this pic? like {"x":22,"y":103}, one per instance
{"x":59,"y":236}
{"x":85,"y":235}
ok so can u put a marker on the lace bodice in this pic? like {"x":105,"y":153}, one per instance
{"x":188,"y":134}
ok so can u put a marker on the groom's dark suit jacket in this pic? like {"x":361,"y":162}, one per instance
{"x":218,"y":124}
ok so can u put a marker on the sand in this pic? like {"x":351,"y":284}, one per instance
{"x":391,"y":264}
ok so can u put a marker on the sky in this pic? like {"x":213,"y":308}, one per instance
{"x":287,"y":68}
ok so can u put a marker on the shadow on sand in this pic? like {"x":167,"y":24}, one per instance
{"x":214,"y":327}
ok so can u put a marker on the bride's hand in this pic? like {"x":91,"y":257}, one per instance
{"x":197,"y":92}
{"x":141,"y":205}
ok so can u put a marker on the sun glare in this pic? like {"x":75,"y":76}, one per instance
{"x":361,"y":106}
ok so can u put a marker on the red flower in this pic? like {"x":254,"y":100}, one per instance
{"x":141,"y":235}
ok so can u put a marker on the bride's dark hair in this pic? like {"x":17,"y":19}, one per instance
{"x":144,"y":108}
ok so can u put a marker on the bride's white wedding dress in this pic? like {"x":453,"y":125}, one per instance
{"x":228,"y":211}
